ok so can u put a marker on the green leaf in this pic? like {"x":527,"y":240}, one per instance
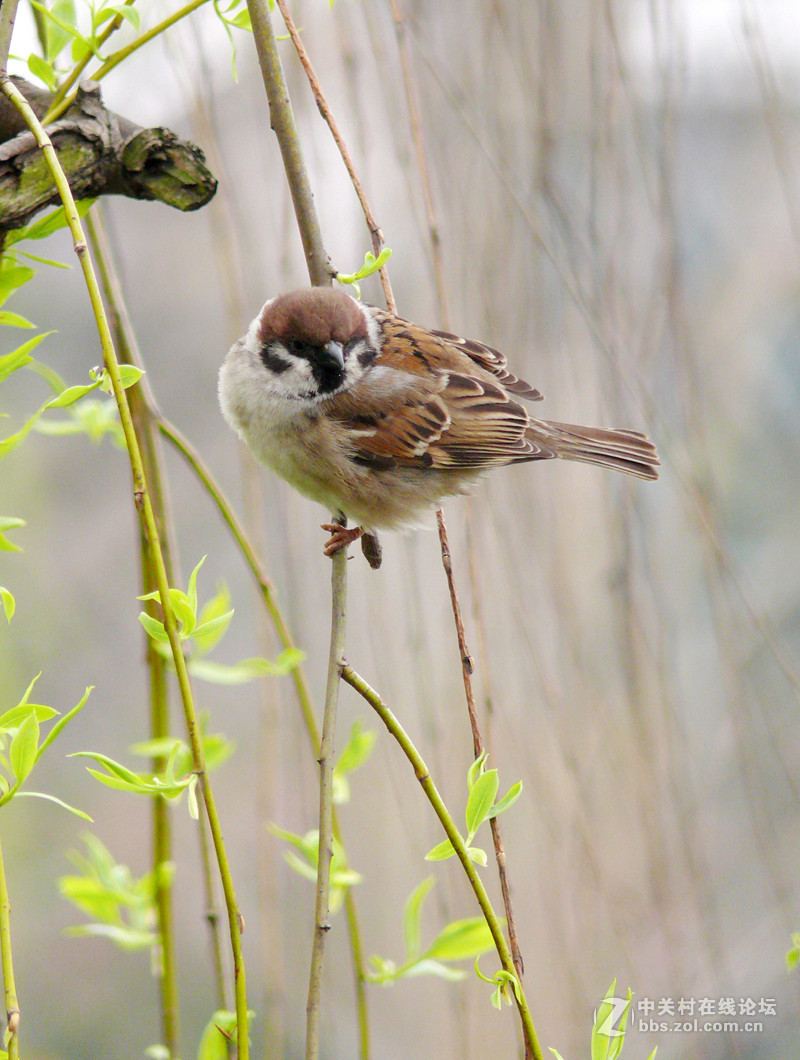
{"x":9,"y":603}
{"x":461,"y":939}
{"x":127,"y":938}
{"x":507,"y":800}
{"x":58,"y":802}
{"x":441,"y":852}
{"x":357,"y":749}
{"x":208,"y":633}
{"x":480,"y":800}
{"x":13,"y":718}
{"x":64,"y":721}
{"x":115,"y":769}
{"x":184,"y":609}
{"x":13,"y":276}
{"x":412,"y":918}
{"x":427,"y":967}
{"x":43,"y":227}
{"x":476,"y":769}
{"x":192,"y":587}
{"x":371,"y":265}
{"x":477,"y":855}
{"x":14,"y":320}
{"x":24,"y":747}
{"x":44,"y":70}
{"x":607,"y":1037}
{"x":19,"y":357}
{"x":70,"y":395}
{"x":246,"y":670}
{"x":153,"y":627}
{"x":109,"y":11}
{"x":8,"y":522}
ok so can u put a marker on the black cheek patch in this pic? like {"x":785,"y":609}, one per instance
{"x":272,"y":362}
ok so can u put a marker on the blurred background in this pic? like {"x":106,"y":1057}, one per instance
{"x":615,"y":191}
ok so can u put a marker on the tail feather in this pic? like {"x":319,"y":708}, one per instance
{"x":622,"y":450}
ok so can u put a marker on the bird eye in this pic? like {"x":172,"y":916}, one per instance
{"x":297,"y":346}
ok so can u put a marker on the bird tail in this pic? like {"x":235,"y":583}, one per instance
{"x":622,"y":450}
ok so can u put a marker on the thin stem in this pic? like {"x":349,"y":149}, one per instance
{"x":418,"y":140}
{"x":159,"y":698}
{"x":59,"y":108}
{"x":144,"y":506}
{"x":285,"y":128}
{"x":80,"y":66}
{"x":477,"y":742}
{"x":375,"y":232}
{"x":12,"y":1005}
{"x":451,"y":830}
{"x":326,"y":754}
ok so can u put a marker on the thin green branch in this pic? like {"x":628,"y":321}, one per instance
{"x":451,"y":830}
{"x":326,"y":755}
{"x":125,"y":343}
{"x":144,"y":506}
{"x":12,"y":1005}
{"x":75,"y":73}
{"x":59,"y":106}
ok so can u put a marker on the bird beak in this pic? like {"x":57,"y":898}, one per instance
{"x":334,"y":353}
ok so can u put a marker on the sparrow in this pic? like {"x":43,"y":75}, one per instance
{"x":379,"y":419}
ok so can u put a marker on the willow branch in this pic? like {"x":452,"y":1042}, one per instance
{"x":451,"y":830}
{"x":285,"y":128}
{"x":143,"y":503}
{"x":326,"y":757}
{"x":12,"y":1005}
{"x":375,"y":232}
{"x":57,"y":109}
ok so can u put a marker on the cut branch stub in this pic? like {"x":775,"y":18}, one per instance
{"x":102,"y":153}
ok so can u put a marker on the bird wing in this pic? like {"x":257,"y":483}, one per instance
{"x":429,"y":401}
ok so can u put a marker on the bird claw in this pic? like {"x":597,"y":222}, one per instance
{"x":341,"y":537}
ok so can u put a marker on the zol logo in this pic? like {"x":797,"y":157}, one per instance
{"x":614,"y":1012}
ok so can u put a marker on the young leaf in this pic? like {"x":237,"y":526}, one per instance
{"x":481,"y":799}
{"x":8,"y":522}
{"x":412,"y":916}
{"x":507,"y":800}
{"x":192,"y":588}
{"x":44,"y":70}
{"x":58,"y":802}
{"x":20,"y":357}
{"x":14,"y":320}
{"x":152,"y":627}
{"x":9,"y":603}
{"x":441,"y":852}
{"x":357,"y":749}
{"x":461,"y":939}
{"x":235,"y":673}
{"x":476,"y":769}
{"x":24,"y":747}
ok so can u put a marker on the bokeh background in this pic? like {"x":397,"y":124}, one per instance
{"x":615,"y":193}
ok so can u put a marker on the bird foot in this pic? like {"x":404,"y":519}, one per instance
{"x":341,"y":537}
